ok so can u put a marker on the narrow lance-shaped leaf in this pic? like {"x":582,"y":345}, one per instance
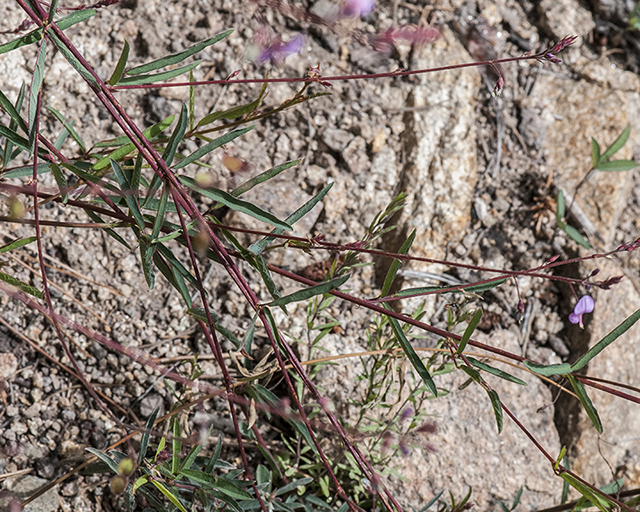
{"x":73,"y":61}
{"x":61,"y":181}
{"x":236,"y":204}
{"x":149,"y":134}
{"x":595,"y":152}
{"x":395,"y":265}
{"x":601,"y":501}
{"x":192,"y":102}
{"x":230,"y":113}
{"x":262,"y":177}
{"x":617,"y":144}
{"x":162,"y":208}
{"x":69,"y":127}
{"x":617,"y":165}
{"x":36,"y":35}
{"x":606,"y":341}
{"x":210,"y":146}
{"x":586,"y":402}
{"x":312,"y":291}
{"x":549,"y":370}
{"x":125,"y":186}
{"x":575,"y":235}
{"x":497,"y":407}
{"x":175,"y":58}
{"x":122,"y":62}
{"x":108,"y":231}
{"x":8,"y":107}
{"x":258,"y":247}
{"x":36,"y":85}
{"x":159,"y":77}
{"x":176,"y":445}
{"x":473,"y":323}
{"x":560,"y":208}
{"x":146,"y":256}
{"x":20,"y":285}
{"x":414,"y":359}
{"x":161,"y":487}
{"x":144,"y":442}
{"x":176,"y":137}
{"x":52,"y":10}
{"x":495,"y":371}
{"x":20,"y":242}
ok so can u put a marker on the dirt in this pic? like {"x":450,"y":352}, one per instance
{"x":481,"y":173}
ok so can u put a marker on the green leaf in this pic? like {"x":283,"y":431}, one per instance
{"x":144,"y":442}
{"x":175,"y":58}
{"x":606,"y":341}
{"x":617,"y":144}
{"x":176,"y":445}
{"x":73,"y":61}
{"x":162,"y":208}
{"x":221,"y":484}
{"x":575,"y":235}
{"x":600,"y":501}
{"x":312,"y":291}
{"x":132,"y":202}
{"x":214,"y":144}
{"x":549,"y":370}
{"x":173,"y":499}
{"x":149,"y":134}
{"x":192,"y":102}
{"x":158,"y":77}
{"x":473,"y":323}
{"x":293,"y":485}
{"x":236,"y":204}
{"x":20,"y":242}
{"x":140,"y":482}
{"x":108,"y":231}
{"x":495,"y":371}
{"x":69,"y":127}
{"x":11,"y":135}
{"x":560,"y":208}
{"x":8,"y":107}
{"x":586,"y":402}
{"x":395,"y":265}
{"x":176,"y":137}
{"x":190,"y":458}
{"x":109,"y":461}
{"x":122,"y":62}
{"x":258,"y":247}
{"x":230,"y":113}
{"x":497,"y":407}
{"x":36,"y":85}
{"x":214,"y":456}
{"x":61,"y":182}
{"x":595,"y":153}
{"x":36,"y":35}
{"x":415,"y":361}
{"x":146,"y":256}
{"x":22,"y":286}
{"x":617,"y":165}
{"x":261,"y":178}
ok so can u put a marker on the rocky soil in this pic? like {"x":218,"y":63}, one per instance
{"x":481,"y":174}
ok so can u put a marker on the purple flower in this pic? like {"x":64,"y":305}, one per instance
{"x":277,"y":50}
{"x":584,"y":305}
{"x":358,"y":7}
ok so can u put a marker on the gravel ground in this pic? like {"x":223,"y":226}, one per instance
{"x":481,"y":174}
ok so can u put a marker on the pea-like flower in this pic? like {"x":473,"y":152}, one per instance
{"x":358,"y":7}
{"x":584,"y":305}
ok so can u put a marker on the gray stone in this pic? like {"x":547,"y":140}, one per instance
{"x":28,"y":485}
{"x":150,"y":403}
{"x":336,"y":139}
